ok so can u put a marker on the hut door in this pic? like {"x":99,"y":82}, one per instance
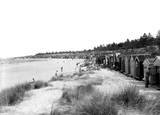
{"x":141,"y":70}
{"x":129,"y":66}
{"x":136,"y":68}
{"x":158,"y":74}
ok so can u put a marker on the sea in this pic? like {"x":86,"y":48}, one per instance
{"x":14,"y":72}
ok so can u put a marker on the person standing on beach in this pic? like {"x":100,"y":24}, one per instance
{"x":148,"y":74}
{"x":33,"y":80}
{"x":61,"y":69}
{"x":77,"y":64}
{"x":80,"y":69}
{"x":56,"y":74}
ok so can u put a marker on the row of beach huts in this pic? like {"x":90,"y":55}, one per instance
{"x":132,"y":65}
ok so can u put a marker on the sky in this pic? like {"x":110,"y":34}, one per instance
{"x":28,"y":27}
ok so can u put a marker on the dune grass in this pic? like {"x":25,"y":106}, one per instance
{"x":56,"y":78}
{"x":77,"y":93}
{"x":129,"y":97}
{"x":96,"y":104}
{"x":60,"y":77}
{"x":152,"y":107}
{"x":86,"y":100}
{"x":14,"y":95}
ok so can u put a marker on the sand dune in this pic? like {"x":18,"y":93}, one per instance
{"x":40,"y":101}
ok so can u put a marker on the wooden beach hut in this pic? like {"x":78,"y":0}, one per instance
{"x":156,"y":63}
{"x":148,"y":62}
{"x":122,"y":63}
{"x":101,"y":59}
{"x":127,"y":64}
{"x":116,"y":60}
{"x":139,"y":74}
{"x":110,"y":60}
{"x":106,"y":58}
{"x":132,"y":65}
{"x":119,"y":62}
{"x":129,"y":69}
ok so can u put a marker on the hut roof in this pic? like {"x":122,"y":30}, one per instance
{"x":148,"y":61}
{"x":157,"y":61}
{"x":142,"y":57}
{"x":133,"y":56}
{"x":123,"y":55}
{"x":158,"y":57}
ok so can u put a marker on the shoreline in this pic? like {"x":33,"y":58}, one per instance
{"x":41,"y":69}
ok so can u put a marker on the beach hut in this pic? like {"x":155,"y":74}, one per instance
{"x":106,"y":58}
{"x":132,"y":65}
{"x":129,"y":70}
{"x":119,"y":57}
{"x":156,"y":63}
{"x":117,"y":61}
{"x":148,"y":62}
{"x":122,"y":63}
{"x":127,"y":64}
{"x":139,"y":74}
{"x":110,"y":60}
{"x":101,"y":59}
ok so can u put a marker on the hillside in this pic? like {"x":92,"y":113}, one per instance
{"x":145,"y":50}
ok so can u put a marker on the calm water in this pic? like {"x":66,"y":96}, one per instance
{"x":14,"y":73}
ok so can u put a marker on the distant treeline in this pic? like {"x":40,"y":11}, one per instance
{"x":62,"y":52}
{"x":144,"y":41}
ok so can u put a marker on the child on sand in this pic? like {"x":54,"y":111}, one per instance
{"x":61,"y":69}
{"x":56,"y":74}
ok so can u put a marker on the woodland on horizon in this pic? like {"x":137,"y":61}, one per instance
{"x":144,"y":41}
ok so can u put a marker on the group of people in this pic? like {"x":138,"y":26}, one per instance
{"x":77,"y":66}
{"x":56,"y":74}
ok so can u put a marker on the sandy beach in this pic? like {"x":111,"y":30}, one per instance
{"x":41,"y":101}
{"x":13,"y":72}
